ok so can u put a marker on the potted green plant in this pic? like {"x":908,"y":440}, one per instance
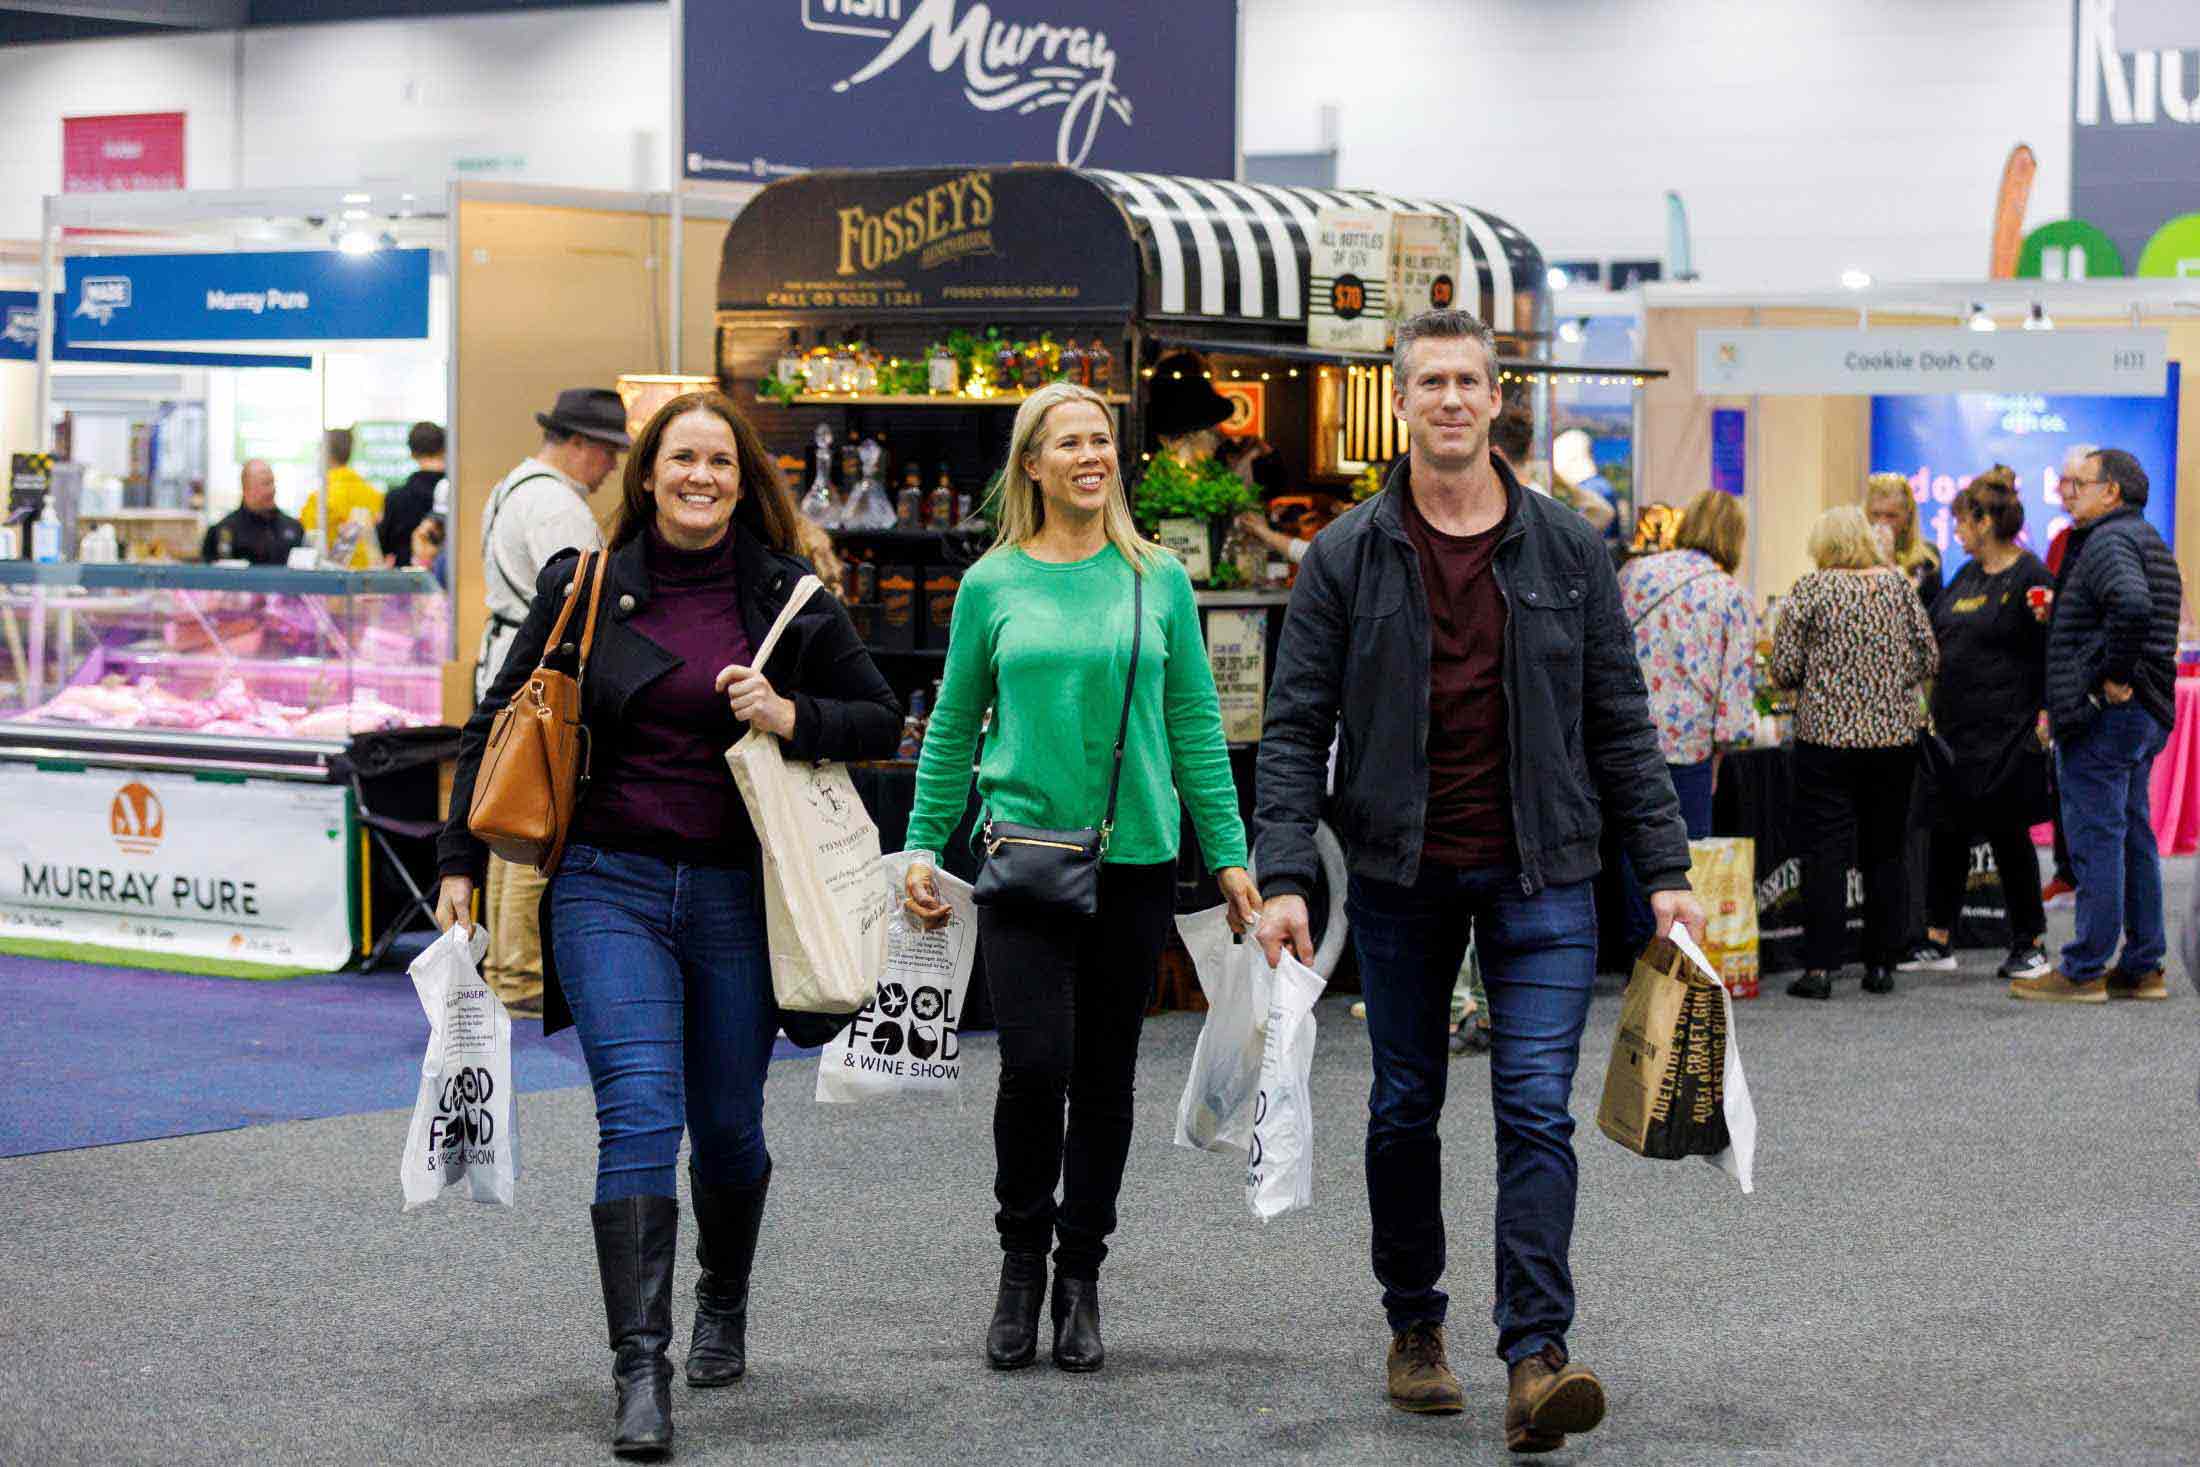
{"x":1190,"y":507}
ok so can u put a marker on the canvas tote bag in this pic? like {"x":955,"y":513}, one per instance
{"x":826,"y":893}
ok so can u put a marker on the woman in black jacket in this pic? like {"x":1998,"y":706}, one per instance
{"x":1986,"y":705}
{"x":654,"y":915}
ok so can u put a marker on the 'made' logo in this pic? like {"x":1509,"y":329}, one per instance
{"x":135,"y":819}
{"x":1006,"y":67}
{"x":100,"y":296}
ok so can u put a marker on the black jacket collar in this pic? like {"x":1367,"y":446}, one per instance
{"x":1390,"y":511}
{"x":762,"y":576}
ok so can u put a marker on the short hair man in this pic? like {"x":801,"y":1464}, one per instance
{"x":535,"y":511}
{"x":351,"y":500}
{"x":414,"y":500}
{"x":256,"y":530}
{"x":2111,"y":702}
{"x":1468,"y":635}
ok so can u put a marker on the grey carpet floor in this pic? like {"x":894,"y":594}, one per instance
{"x":1974,"y":1240}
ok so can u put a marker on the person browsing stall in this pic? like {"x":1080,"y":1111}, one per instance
{"x":348,"y":499}
{"x":1044,"y":635}
{"x":415,"y":499}
{"x":1891,"y":506}
{"x":655,"y":914}
{"x":1468,"y":634}
{"x":255,"y":530}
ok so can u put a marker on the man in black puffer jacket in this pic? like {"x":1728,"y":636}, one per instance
{"x":2111,"y":699}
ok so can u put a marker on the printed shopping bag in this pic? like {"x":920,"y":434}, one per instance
{"x":1216,"y":1111}
{"x":826,"y":902}
{"x":905,"y":1040}
{"x":1723,"y":873}
{"x":1675,"y":1086}
{"x":461,"y":1137}
{"x":1279,"y":1169}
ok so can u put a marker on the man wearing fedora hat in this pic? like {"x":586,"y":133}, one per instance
{"x":535,"y":511}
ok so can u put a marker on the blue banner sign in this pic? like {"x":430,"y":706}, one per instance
{"x":1730,"y":451}
{"x":778,"y":87}
{"x":1940,"y":443}
{"x":19,"y":343}
{"x":291,"y":295}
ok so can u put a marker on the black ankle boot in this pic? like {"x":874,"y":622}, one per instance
{"x":636,"y":1238}
{"x":1812,"y":985}
{"x":1077,"y":1324}
{"x":1878,"y":978}
{"x":726,"y":1223}
{"x":1012,"y":1340}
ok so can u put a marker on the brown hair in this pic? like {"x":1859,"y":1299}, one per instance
{"x":766,"y":509}
{"x":1992,"y":497}
{"x":1714,"y":523}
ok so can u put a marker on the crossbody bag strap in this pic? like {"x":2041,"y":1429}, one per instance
{"x":1644,"y":614}
{"x":1130,"y":687}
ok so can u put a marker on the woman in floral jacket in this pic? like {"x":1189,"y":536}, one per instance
{"x":1696,"y":637}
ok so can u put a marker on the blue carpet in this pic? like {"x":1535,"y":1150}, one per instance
{"x":93,"y":1055}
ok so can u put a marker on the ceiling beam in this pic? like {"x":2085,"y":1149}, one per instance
{"x":175,"y":14}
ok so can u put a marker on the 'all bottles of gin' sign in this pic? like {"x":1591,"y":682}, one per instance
{"x":1351,"y":281}
{"x":1425,"y":264}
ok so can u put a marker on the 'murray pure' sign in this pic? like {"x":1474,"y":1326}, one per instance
{"x":778,"y":87}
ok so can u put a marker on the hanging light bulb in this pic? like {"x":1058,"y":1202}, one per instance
{"x":1980,"y":321}
{"x":2039,"y":320}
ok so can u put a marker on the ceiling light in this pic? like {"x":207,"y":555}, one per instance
{"x":1556,"y":278}
{"x":358,"y":198}
{"x":357,"y":242}
{"x":1855,"y":279}
{"x":2039,"y":320}
{"x":1980,"y":321}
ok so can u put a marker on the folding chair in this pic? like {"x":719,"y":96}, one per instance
{"x":382,"y":755}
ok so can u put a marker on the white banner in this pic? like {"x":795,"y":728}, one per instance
{"x":1926,"y":361}
{"x":228,"y":877}
{"x":1349,"y":308}
{"x":1237,"y":650}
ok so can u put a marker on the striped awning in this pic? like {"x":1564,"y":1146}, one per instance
{"x":1241,"y":251}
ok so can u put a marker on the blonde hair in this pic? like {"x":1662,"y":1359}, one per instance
{"x":1842,"y":539}
{"x":1714,"y":523}
{"x":1910,"y":548}
{"x":1022,"y":508}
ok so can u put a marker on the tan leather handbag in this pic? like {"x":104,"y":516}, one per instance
{"x":535,"y":767}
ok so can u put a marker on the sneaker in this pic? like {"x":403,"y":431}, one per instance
{"x":1929,"y":957}
{"x":1549,"y":1398}
{"x":2136,"y":985}
{"x":1359,"y":1009}
{"x":1814,"y":984}
{"x":1470,"y":1038}
{"x":2058,"y":893}
{"x":2052,"y":987}
{"x":2026,"y":960}
{"x":1420,"y":1377}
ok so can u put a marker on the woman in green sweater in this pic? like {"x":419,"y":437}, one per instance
{"x":1042,"y":636}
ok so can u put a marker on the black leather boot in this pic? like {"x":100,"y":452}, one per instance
{"x":636,"y":1238}
{"x":1878,"y":978}
{"x":1012,"y":1340}
{"x":726,"y":1223}
{"x":1077,"y":1325}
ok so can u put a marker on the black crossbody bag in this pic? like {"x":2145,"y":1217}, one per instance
{"x":1058,"y":871}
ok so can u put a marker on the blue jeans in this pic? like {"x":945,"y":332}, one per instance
{"x":1692,"y":784}
{"x":665,"y":968}
{"x":2102,"y":774}
{"x":1538,"y":960}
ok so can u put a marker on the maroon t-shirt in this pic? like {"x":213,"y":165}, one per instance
{"x":1469,"y":779}
{"x":661,"y":784}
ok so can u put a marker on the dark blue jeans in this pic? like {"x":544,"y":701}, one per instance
{"x":2102,"y":774}
{"x":1538,"y":960}
{"x":671,"y":989}
{"x":1692,"y":784}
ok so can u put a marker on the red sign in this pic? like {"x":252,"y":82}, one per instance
{"x":110,"y":155}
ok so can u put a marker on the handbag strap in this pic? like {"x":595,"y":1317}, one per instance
{"x":795,"y":600}
{"x":1130,"y":686}
{"x":594,"y":576}
{"x":1644,"y":615}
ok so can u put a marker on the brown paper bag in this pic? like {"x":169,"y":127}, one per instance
{"x":1664,"y":1092}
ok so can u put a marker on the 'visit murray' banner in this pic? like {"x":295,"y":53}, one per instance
{"x":246,"y":878}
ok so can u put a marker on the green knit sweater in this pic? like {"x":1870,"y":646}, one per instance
{"x":1048,"y":648}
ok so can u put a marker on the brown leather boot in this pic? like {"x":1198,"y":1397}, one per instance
{"x":2123,"y":984}
{"x":2053,"y":987}
{"x":1420,"y":1376}
{"x":1550,"y":1397}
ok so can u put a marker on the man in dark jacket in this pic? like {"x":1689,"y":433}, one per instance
{"x":414,"y":500}
{"x":1467,"y":635}
{"x":2111,"y":701}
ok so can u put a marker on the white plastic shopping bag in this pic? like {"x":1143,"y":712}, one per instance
{"x":1739,"y":1160}
{"x":1279,"y":1170}
{"x":1216,"y":1112}
{"x":462,"y":1137}
{"x":905,"y":1041}
{"x":825,"y":907}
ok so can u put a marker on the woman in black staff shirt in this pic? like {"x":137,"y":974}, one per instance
{"x":1993,"y":683}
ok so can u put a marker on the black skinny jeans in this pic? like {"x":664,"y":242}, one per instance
{"x":1948,"y":871}
{"x":1853,"y":803}
{"x":1070,"y":997}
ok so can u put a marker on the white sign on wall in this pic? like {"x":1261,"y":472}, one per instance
{"x":159,"y":863}
{"x":1426,"y":264}
{"x":1237,"y":650}
{"x":1925,"y":361}
{"x":1349,"y":261}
